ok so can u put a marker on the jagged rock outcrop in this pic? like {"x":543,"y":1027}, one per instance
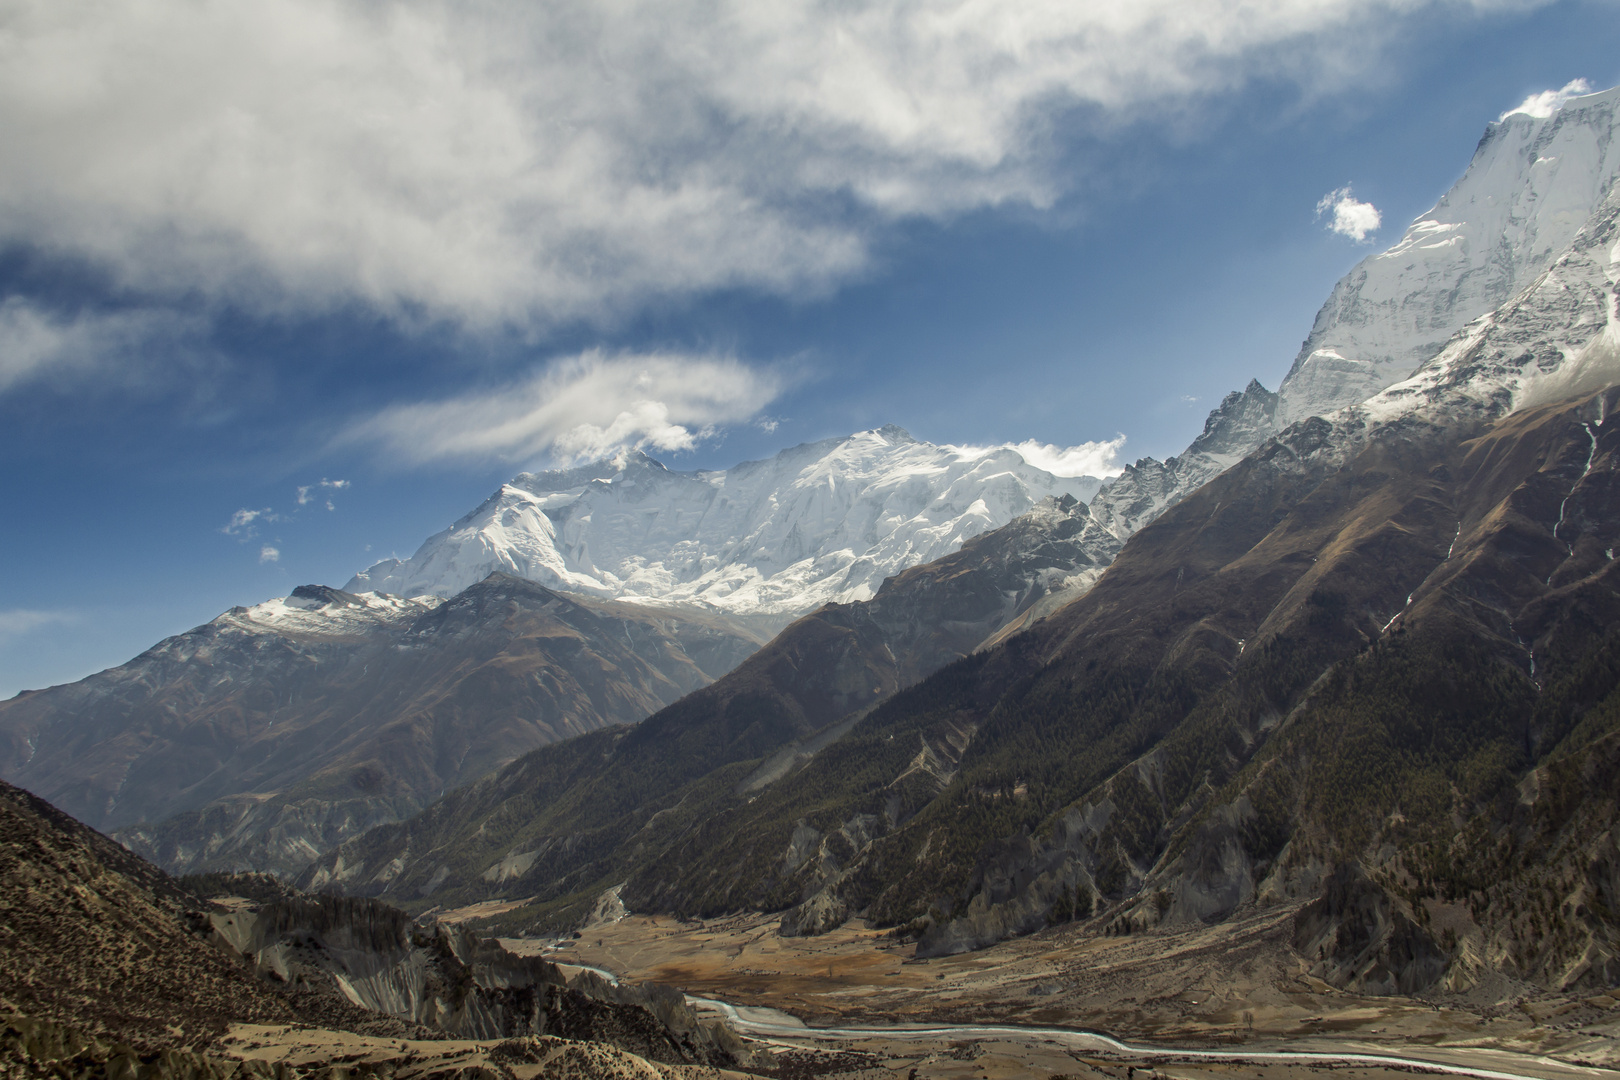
{"x":450,"y":979}
{"x":109,"y":967}
{"x":93,"y":937}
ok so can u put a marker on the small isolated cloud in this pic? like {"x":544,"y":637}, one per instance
{"x":1351,"y":217}
{"x":306,"y":492}
{"x":1547,"y":102}
{"x":268,"y":554}
{"x":14,"y":621}
{"x":581,"y":408}
{"x":1099,"y":459}
{"x":243,"y":522}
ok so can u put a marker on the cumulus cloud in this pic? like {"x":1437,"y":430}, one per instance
{"x":1547,"y":102}
{"x":1350,"y":217}
{"x":1099,"y":459}
{"x":268,"y":554}
{"x":14,"y":621}
{"x":493,"y":163}
{"x":579,"y":408}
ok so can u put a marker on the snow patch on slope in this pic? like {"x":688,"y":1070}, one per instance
{"x":322,"y":611}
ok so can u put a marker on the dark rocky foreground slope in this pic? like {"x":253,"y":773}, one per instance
{"x":258,"y":741}
{"x":92,"y":936}
{"x":106,"y":959}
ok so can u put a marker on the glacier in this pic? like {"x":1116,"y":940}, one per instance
{"x":823,"y":522}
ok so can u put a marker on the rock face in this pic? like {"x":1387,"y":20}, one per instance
{"x":1363,"y":941}
{"x":451,"y":980}
{"x":1533,"y":184}
{"x":775,"y":539}
{"x":1145,"y":490}
{"x":272,"y":733}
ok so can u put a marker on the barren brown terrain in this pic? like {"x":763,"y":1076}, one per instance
{"x":1237,"y":986}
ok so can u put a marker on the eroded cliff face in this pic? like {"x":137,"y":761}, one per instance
{"x":109,"y":967}
{"x":452,"y":980}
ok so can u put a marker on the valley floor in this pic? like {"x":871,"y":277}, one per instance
{"x":1236,"y":986}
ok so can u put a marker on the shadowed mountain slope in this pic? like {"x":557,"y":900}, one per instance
{"x":268,"y":735}
{"x":773,"y":712}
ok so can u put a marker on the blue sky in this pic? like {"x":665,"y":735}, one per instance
{"x":410,"y":251}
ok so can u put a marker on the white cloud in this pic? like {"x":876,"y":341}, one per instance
{"x":306,"y":491}
{"x":39,"y":343}
{"x":243,"y":522}
{"x":1099,"y":459}
{"x":14,"y":621}
{"x":1547,"y":102}
{"x":582,"y":407}
{"x":494,"y":163}
{"x":268,"y":554}
{"x":1351,"y":218}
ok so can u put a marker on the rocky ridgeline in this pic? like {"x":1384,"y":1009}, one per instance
{"x":109,"y":968}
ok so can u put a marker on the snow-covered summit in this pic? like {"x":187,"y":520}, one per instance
{"x":1537,"y":184}
{"x":818,"y":522}
{"x":1534,"y":181}
{"x":325,"y":611}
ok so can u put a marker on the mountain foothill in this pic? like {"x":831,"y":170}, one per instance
{"x":1353,"y":655}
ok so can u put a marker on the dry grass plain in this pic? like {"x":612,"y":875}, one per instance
{"x":1237,"y":986}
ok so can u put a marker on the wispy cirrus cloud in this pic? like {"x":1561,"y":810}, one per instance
{"x":580,"y":407}
{"x":38,"y":342}
{"x":17,"y":621}
{"x":493,"y":163}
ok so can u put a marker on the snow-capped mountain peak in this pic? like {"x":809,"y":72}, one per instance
{"x":819,"y":522}
{"x":1533,"y":183}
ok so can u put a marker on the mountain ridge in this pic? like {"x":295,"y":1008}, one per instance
{"x":820,"y":522}
{"x":261,"y":738}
